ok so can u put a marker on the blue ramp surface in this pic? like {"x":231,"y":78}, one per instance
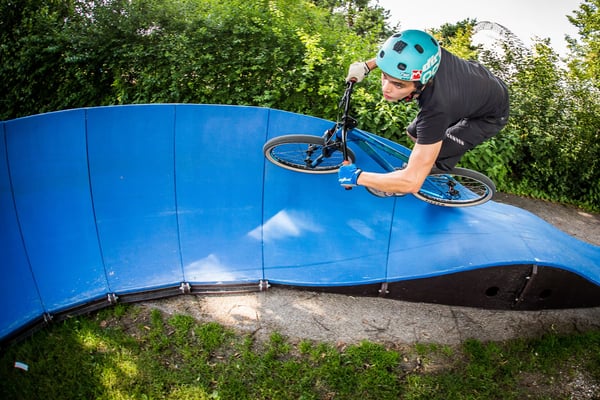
{"x":126,"y":203}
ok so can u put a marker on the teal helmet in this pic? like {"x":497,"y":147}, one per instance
{"x":410,"y":55}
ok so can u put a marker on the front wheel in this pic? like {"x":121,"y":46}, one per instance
{"x":305,"y":153}
{"x":459,"y":187}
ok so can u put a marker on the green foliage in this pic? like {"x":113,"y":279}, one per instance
{"x":553,"y":131}
{"x":379,"y":116}
{"x":456,"y":38}
{"x":361,"y":16}
{"x":587,"y":62}
{"x":286,"y":54}
{"x":491,"y":158}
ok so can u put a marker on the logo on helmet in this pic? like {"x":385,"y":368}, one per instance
{"x":433,"y":60}
{"x":416,"y":75}
{"x":430,"y":68}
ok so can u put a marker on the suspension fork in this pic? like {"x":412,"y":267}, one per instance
{"x":347,"y":121}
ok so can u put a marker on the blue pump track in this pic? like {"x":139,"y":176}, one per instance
{"x":126,"y":203}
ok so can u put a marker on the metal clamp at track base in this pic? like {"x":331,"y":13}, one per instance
{"x":384,"y":289}
{"x":48,"y":318}
{"x":526,"y":288}
{"x":263,"y":285}
{"x":112,"y":298}
{"x":185,"y":288}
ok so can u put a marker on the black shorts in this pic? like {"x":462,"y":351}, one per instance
{"x":462,"y":137}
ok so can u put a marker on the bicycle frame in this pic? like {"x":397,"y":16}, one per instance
{"x":344,"y":131}
{"x":368,"y":143}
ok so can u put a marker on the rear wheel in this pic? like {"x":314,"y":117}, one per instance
{"x":459,"y":187}
{"x":305,"y":153}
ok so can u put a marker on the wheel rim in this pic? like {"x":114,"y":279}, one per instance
{"x":304,"y":156}
{"x":458,"y":190}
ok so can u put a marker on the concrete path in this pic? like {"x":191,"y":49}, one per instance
{"x":341,"y":319}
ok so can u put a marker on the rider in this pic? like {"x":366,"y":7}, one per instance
{"x":461,"y":104}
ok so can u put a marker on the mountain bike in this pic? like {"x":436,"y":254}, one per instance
{"x":459,"y":187}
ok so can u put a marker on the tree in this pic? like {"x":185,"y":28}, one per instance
{"x":287,"y":54}
{"x":361,"y":16}
{"x":31,"y":49}
{"x":586,"y":62}
{"x":457,"y":38}
{"x":553,"y":127}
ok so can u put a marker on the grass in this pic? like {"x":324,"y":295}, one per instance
{"x":130,"y":352}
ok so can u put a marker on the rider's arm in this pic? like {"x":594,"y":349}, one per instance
{"x":409,"y":179}
{"x":372,"y":64}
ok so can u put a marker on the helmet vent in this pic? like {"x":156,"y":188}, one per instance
{"x":399,"y":46}
{"x":402,"y":67}
{"x":419,"y":48}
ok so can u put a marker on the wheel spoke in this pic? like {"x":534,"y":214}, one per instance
{"x":457,"y":188}
{"x":304,"y":153}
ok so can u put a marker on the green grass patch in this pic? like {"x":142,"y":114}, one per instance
{"x":130,"y":352}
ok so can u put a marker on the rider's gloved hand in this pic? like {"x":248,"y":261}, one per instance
{"x":357,"y":71}
{"x":348,"y":175}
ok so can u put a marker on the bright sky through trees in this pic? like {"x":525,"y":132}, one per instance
{"x":525,"y":18}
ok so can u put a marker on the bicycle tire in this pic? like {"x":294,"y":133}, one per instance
{"x":303,"y":153}
{"x":474,"y":188}
{"x":382,"y":194}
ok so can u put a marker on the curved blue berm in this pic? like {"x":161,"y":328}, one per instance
{"x":132,"y":202}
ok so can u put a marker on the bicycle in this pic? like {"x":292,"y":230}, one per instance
{"x":459,"y":187}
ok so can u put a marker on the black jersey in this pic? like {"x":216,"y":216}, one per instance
{"x":460,"y":89}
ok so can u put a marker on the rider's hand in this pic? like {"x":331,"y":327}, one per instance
{"x":348,"y":175}
{"x":357,"y":71}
